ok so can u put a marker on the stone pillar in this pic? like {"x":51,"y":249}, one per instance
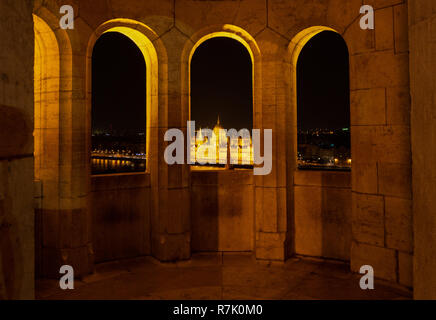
{"x":16,"y":151}
{"x":63,"y":218}
{"x":273,"y":233}
{"x":170,"y":218}
{"x":423,"y":70}
{"x":380,"y":143}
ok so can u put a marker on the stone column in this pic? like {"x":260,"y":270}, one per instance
{"x":423,"y":70}
{"x":170,"y":217}
{"x":273,"y":233}
{"x":16,"y":151}
{"x":380,"y":140}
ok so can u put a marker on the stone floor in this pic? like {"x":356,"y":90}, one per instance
{"x":220,"y":276}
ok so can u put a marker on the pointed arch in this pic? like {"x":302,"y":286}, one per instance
{"x":52,"y":108}
{"x":233,"y":32}
{"x":154,"y":55}
{"x":294,"y":50}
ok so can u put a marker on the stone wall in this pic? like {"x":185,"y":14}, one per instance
{"x":381,"y":176}
{"x":422,"y":18}
{"x":16,"y":150}
{"x":222,"y":210}
{"x":380,"y":143}
{"x":121,"y":216}
{"x":323,"y":214}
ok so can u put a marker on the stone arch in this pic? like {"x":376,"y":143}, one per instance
{"x":155,"y":59}
{"x":246,"y":241}
{"x":46,"y":88}
{"x":232,"y":32}
{"x":294,"y":49}
{"x":314,"y":184}
{"x":52,"y":99}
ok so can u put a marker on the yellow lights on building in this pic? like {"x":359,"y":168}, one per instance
{"x":221,"y":148}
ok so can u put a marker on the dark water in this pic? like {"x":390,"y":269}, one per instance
{"x":106,"y":166}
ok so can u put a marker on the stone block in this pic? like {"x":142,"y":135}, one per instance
{"x":222,"y":210}
{"x":395,"y":179}
{"x":368,"y":219}
{"x":398,"y":106}
{"x":405,"y":269}
{"x":384,"y":29}
{"x":16,"y":132}
{"x":383,"y":261}
{"x":168,"y":248}
{"x":158,"y":15}
{"x":377,"y":4}
{"x":399,"y":224}
{"x":308,"y":221}
{"x":323,"y":224}
{"x":368,"y":107}
{"x":364,"y":177}
{"x":322,"y":178}
{"x":379,"y":69}
{"x":393,"y":145}
{"x":341,"y":13}
{"x":401,"y":28}
{"x":271,"y":246}
{"x":288,"y":18}
{"x":358,"y":40}
{"x":269,"y":221}
{"x":389,"y":144}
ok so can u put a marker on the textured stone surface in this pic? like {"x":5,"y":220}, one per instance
{"x":405,"y":269}
{"x":121,"y":227}
{"x":382,"y":260}
{"x":16,"y":151}
{"x":423,"y":67}
{"x":399,"y":227}
{"x":368,"y":219}
{"x":380,"y":125}
{"x":323,"y":224}
{"x":220,"y":276}
{"x":380,"y":120}
{"x":222,"y":211}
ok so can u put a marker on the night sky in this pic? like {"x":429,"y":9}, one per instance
{"x":118,"y":85}
{"x":221,"y":84}
{"x":323,"y":83}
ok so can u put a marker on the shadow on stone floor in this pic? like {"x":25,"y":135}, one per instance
{"x":216,"y":276}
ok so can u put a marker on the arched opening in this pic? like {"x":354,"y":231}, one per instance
{"x":46,"y":102}
{"x":46,"y":134}
{"x":119,"y":105}
{"x":323,"y":104}
{"x":120,"y":196}
{"x":320,"y":114}
{"x":221,"y":98}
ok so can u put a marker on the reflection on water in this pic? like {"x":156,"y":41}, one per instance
{"x":106,"y":166}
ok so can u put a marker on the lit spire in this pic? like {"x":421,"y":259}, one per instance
{"x":200,"y":135}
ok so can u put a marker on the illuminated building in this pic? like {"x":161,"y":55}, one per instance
{"x":200,"y":153}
